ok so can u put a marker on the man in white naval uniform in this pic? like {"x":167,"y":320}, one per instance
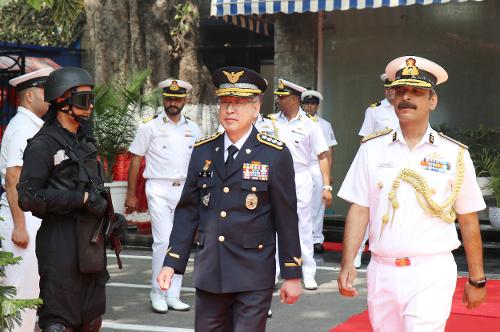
{"x":18,"y":230}
{"x":378,"y":116}
{"x":304,"y":138}
{"x":310,"y":102}
{"x":166,"y":141}
{"x":409,"y":184}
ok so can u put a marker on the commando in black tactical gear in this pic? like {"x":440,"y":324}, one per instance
{"x":61,"y":182}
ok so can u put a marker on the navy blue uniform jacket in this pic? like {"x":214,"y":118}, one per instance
{"x":237,"y":245}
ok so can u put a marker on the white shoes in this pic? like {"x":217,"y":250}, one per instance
{"x":158,"y":302}
{"x":357,"y":261}
{"x":310,"y":284}
{"x":175,"y":303}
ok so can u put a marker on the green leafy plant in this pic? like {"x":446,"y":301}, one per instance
{"x":118,"y":108}
{"x":42,"y":22}
{"x":494,"y":183}
{"x":483,"y":145}
{"x":10,"y":308}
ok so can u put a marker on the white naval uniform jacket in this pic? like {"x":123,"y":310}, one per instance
{"x":413,"y":231}
{"x":167,"y":146}
{"x":303,"y":137}
{"x":378,"y":117}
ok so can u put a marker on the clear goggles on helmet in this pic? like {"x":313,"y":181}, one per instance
{"x":82,"y":99}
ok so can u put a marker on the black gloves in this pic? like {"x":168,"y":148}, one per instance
{"x":119,"y":226}
{"x":96,"y":204}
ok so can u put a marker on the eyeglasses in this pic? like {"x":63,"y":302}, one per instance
{"x":81,"y":99}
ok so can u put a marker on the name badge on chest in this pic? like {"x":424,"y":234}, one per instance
{"x":205,"y":173}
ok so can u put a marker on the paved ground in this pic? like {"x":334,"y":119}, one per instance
{"x":129,"y":309}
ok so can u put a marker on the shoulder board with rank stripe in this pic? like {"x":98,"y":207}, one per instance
{"x":312,"y":117}
{"x":272,"y":116}
{"x":207,"y":139}
{"x":453,"y":140}
{"x":146,"y":120}
{"x":376,"y":134}
{"x":270,"y":140}
{"x":376,"y":104}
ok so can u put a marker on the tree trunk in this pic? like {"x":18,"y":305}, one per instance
{"x":131,"y":35}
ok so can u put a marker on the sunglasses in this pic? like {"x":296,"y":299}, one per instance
{"x":82,"y":99}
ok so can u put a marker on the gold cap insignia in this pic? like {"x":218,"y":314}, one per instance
{"x":281,"y":85}
{"x":233,"y":77}
{"x":174,"y":86}
{"x":410,"y":69}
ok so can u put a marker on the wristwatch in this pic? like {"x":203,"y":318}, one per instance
{"x":329,"y":188}
{"x":479,"y":283}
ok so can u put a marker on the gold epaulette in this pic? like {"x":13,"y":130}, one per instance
{"x":376,"y":104}
{"x":376,"y":134}
{"x":312,"y":117}
{"x":270,"y":140}
{"x":207,"y":139}
{"x":453,"y":140}
{"x":272,"y":116}
{"x":146,"y":120}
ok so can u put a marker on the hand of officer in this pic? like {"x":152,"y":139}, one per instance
{"x":290,"y":291}
{"x":345,"y":280}
{"x":96,"y":204}
{"x":473,"y":296}
{"x":131,"y":203}
{"x":165,"y":277}
{"x":326,"y":196}
{"x":20,"y":236}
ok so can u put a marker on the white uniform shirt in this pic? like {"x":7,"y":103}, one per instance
{"x":327,"y":129}
{"x":413,"y":232}
{"x":167,"y":146}
{"x":302,"y":136}
{"x":23,"y":126}
{"x":378,"y":118}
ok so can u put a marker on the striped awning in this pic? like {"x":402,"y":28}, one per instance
{"x":248,"y":7}
{"x":251,"y":22}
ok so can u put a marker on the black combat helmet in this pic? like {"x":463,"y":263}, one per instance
{"x":64,"y":79}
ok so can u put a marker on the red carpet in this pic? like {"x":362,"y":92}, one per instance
{"x":486,"y":318}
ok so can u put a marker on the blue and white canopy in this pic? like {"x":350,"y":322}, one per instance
{"x":248,"y":7}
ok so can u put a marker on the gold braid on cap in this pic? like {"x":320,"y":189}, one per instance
{"x":424,"y":194}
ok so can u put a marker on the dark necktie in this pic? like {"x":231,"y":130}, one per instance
{"x":231,"y":151}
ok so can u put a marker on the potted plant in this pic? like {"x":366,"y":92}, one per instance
{"x":483,"y":148}
{"x":494,"y":185}
{"x":10,"y":307}
{"x":119,"y":107}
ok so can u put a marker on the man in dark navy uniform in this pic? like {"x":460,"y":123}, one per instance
{"x":240,"y":193}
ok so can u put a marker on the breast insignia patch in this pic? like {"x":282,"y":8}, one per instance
{"x":207,"y":139}
{"x":453,"y":140}
{"x":146,"y":120}
{"x":376,"y":134}
{"x":271,"y":141}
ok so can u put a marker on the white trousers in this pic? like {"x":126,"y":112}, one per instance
{"x":415,"y":298}
{"x":317,"y":204}
{"x":303,"y":185}
{"x":23,"y":276}
{"x":163,"y":196}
